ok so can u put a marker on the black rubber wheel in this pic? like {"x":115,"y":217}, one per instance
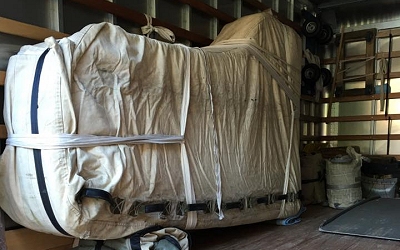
{"x":307,"y":89}
{"x":325,"y":35}
{"x":326,"y":76}
{"x":310,"y":73}
{"x":311,"y":28}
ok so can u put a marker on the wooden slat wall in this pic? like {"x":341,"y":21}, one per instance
{"x":137,"y":17}
{"x":315,"y":120}
{"x":20,"y":29}
{"x":207,"y":9}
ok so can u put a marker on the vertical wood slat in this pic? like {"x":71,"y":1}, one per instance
{"x":335,"y":77}
{"x":237,"y":9}
{"x":214,"y":20}
{"x":213,"y":12}
{"x":3,"y":131}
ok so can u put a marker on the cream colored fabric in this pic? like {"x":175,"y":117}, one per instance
{"x":240,"y":132}
{"x":148,"y":240}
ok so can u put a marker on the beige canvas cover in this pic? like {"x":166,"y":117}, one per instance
{"x":153,"y":123}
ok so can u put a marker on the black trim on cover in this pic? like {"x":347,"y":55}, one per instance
{"x":135,"y":238}
{"x":96,"y":194}
{"x":37,"y":152}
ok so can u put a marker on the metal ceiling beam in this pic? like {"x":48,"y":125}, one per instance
{"x":336,"y":3}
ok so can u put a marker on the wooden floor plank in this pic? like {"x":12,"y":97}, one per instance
{"x":259,"y":236}
{"x":21,"y":239}
{"x":304,"y":235}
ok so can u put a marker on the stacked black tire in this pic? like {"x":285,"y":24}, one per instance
{"x":316,"y":29}
{"x":310,"y":74}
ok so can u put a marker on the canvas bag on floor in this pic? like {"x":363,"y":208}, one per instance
{"x":343,"y":180}
{"x":153,"y":238}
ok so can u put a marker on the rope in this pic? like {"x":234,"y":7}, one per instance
{"x":165,"y":33}
{"x":383,"y":71}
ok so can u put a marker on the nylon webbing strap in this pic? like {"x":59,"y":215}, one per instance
{"x":37,"y":152}
{"x":135,"y":238}
{"x":355,"y":185}
{"x":96,"y":194}
{"x":99,"y":245}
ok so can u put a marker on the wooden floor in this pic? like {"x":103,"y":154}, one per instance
{"x":304,"y":235}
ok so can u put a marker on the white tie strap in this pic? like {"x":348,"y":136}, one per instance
{"x":165,"y":33}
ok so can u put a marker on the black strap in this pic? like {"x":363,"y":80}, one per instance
{"x":96,"y":194}
{"x":151,"y":208}
{"x":269,"y":199}
{"x":232,"y":205}
{"x":135,"y":238}
{"x":272,"y":198}
{"x":99,"y":244}
{"x":37,"y":152}
{"x":197,"y":207}
{"x":99,"y":194}
{"x":35,"y":93}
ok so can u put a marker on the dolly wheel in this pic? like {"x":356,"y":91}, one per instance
{"x":311,"y":28}
{"x":326,"y":76}
{"x":325,"y":35}
{"x":310,"y":73}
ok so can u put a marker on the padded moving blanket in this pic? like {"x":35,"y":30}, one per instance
{"x":111,"y":132}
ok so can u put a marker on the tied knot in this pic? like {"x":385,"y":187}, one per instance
{"x":165,"y":33}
